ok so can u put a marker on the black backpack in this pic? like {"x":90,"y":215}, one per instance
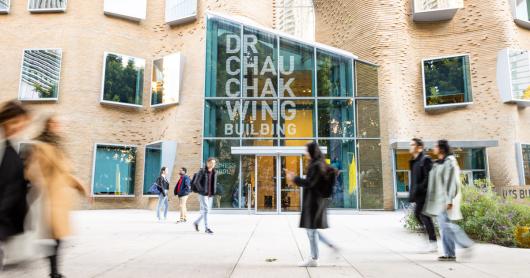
{"x":328,"y":183}
{"x":194,"y":183}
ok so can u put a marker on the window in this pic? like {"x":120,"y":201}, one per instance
{"x":166,"y":80}
{"x":114,"y":170}
{"x":524,"y":164}
{"x":42,"y":6}
{"x":40,"y":74}
{"x":158,"y":155}
{"x":129,"y":9}
{"x":521,"y":12}
{"x":180,"y":11}
{"x":370,"y":174}
{"x":446,"y":82}
{"x":4,"y":6}
{"x":123,"y":78}
{"x":513,"y":75}
{"x":435,"y":10}
{"x":334,"y":75}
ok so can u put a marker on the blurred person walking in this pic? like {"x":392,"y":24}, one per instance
{"x":49,"y":170}
{"x":420,"y":166}
{"x":205,"y":184}
{"x":318,"y":187}
{"x":183,"y":190}
{"x":14,"y":118}
{"x":444,"y":196}
{"x":163,"y":198}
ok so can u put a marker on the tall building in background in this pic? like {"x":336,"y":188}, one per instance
{"x":295,"y":17}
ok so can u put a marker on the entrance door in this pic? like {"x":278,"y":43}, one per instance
{"x":273,"y":194}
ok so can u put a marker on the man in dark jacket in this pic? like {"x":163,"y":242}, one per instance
{"x":182,"y":190}
{"x":13,"y":186}
{"x":205,"y":184}
{"x":420,"y":166}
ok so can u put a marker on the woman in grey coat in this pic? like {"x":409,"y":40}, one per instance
{"x":444,"y":196}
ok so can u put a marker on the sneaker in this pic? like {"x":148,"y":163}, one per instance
{"x":308,"y":263}
{"x":447,"y":259}
{"x":208,"y":231}
{"x":196,"y":226}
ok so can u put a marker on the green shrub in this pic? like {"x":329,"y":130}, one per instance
{"x":487,"y":216}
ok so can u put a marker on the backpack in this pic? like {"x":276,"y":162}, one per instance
{"x":327,"y":185}
{"x":194,"y":183}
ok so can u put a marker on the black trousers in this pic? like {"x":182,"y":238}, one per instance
{"x":424,"y":220}
{"x":53,"y":258}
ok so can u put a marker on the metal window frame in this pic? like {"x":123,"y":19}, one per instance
{"x":55,"y":99}
{"x":519,"y":157}
{"x":94,"y":170}
{"x":7,"y":9}
{"x":181,"y":71}
{"x":47,"y":10}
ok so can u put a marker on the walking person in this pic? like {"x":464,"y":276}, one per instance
{"x":49,"y":170}
{"x":183,"y":190}
{"x":205,"y":184}
{"x":444,"y":196}
{"x":420,"y":166}
{"x":14,"y":118}
{"x":163,"y":187}
{"x":314,"y":205}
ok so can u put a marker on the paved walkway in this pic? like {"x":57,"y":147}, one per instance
{"x":129,"y":243}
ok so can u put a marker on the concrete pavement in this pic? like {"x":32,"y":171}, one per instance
{"x":131,"y":243}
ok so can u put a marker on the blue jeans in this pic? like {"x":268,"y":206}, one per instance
{"x":452,"y":234}
{"x":162,"y":201}
{"x":206,"y":205}
{"x":314,"y":238}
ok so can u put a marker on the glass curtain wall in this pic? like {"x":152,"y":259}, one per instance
{"x":263,"y":89}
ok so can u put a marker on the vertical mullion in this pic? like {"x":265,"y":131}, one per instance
{"x":315,"y":91}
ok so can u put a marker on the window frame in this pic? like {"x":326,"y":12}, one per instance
{"x":438,"y":14}
{"x":102,"y":92}
{"x":504,"y":76}
{"x":451,"y":105}
{"x":521,"y":22}
{"x":54,"y":99}
{"x":179,"y":20}
{"x":125,"y":15}
{"x":94,"y":170}
{"x":47,"y":10}
{"x":519,"y":157}
{"x":7,"y":9}
{"x":180,"y":74}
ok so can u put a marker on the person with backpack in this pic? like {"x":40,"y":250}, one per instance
{"x":420,"y":166}
{"x":205,"y":184}
{"x":183,"y":190}
{"x":162,"y":185}
{"x":318,"y":187}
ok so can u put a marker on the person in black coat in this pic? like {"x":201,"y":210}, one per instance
{"x":204,"y":183}
{"x":13,"y":186}
{"x":163,"y":186}
{"x":420,"y":166}
{"x":314,"y":206}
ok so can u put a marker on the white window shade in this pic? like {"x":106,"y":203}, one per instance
{"x":513,"y":76}
{"x":180,"y":11}
{"x":129,"y":9}
{"x":435,"y":10}
{"x":43,"y":6}
{"x":4,"y":6}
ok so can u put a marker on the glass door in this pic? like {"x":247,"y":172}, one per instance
{"x":266,"y":184}
{"x":291,"y":194}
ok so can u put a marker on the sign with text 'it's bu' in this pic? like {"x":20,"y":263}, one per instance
{"x":518,"y":193}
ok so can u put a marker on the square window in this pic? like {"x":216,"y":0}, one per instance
{"x":180,"y":11}
{"x":129,"y":9}
{"x":334,"y":75}
{"x":166,"y":80}
{"x":123,"y":80}
{"x":114,"y":170}
{"x":513,"y":75}
{"x":158,"y":155}
{"x":524,"y":164}
{"x":435,"y":10}
{"x":4,"y":6}
{"x":335,"y":118}
{"x":521,"y":12}
{"x":446,"y":82}
{"x":40,"y":6}
{"x":40,"y":74}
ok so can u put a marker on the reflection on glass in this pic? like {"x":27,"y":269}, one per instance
{"x":266,"y":192}
{"x":335,"y":118}
{"x":259,"y":143}
{"x":334,"y":75}
{"x":429,"y":5}
{"x":370,"y":174}
{"x":520,"y":67}
{"x":223,"y":61}
{"x":221,"y":118}
{"x":526,"y":163}
{"x":248,"y":185}
{"x":41,"y":71}
{"x":260,"y":118}
{"x":522,"y":9}
{"x":47,"y":5}
{"x":290,"y":193}
{"x":123,"y":80}
{"x":447,"y":81}
{"x":368,"y":118}
{"x":114,"y":170}
{"x":152,"y":166}
{"x":297,"y":118}
{"x":4,"y":5}
{"x":227,"y":170}
{"x":341,"y":156}
{"x":296,"y":69}
{"x":165,"y":80}
{"x":367,"y":80}
{"x":259,"y":64}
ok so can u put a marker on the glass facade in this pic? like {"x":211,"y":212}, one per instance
{"x":152,"y":166}
{"x":114,"y":170}
{"x":123,"y":80}
{"x":526,"y":163}
{"x":264,"y":90}
{"x":472,"y":162}
{"x":447,"y":81}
